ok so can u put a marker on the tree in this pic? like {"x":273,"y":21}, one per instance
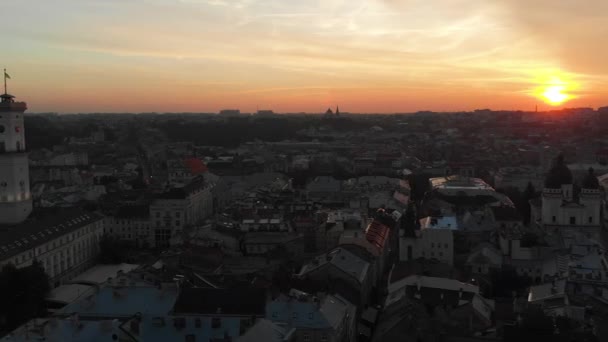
{"x":22,"y":293}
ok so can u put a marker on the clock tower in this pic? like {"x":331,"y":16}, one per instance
{"x":15,"y":196}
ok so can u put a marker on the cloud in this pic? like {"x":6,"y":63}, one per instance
{"x":574,"y":31}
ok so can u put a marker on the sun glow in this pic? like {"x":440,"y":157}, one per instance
{"x":555,"y":90}
{"x":554,"y":95}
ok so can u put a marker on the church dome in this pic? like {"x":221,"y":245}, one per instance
{"x":590,"y":181}
{"x":559,"y":174}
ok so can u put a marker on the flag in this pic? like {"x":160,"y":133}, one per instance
{"x":7,"y":75}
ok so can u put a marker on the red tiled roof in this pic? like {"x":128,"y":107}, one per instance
{"x":195,"y":165}
{"x":377,"y":234}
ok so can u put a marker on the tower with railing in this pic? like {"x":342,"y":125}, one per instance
{"x":15,"y":196}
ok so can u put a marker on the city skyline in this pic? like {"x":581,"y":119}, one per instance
{"x":364,"y":55}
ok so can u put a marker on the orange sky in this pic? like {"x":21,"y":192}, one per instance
{"x":293,"y":56}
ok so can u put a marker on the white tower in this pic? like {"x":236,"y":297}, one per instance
{"x":15,"y":197}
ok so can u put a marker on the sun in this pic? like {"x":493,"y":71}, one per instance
{"x":555,"y":88}
{"x":554,"y":95}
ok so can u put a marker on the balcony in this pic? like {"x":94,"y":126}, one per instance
{"x":8,"y":106}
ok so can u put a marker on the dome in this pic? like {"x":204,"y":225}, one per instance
{"x":590,"y":181}
{"x":559,"y":174}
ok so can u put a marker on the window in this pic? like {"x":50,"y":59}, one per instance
{"x":294,"y":315}
{"x":310,"y":315}
{"x":306,"y":336}
{"x":324,"y":337}
{"x":216,"y":322}
{"x":590,"y":219}
{"x":553,"y":219}
{"x":190,"y":338}
{"x":432,"y":245}
{"x":197,"y":322}
{"x":572,"y":220}
{"x":446,"y":245}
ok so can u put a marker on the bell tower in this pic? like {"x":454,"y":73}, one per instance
{"x":15,"y":196}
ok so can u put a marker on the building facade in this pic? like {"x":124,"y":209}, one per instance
{"x":566,"y":208}
{"x":434,"y":240}
{"x":15,"y":196}
{"x":65,"y":244}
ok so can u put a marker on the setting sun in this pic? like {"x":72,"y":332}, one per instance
{"x":554,"y":95}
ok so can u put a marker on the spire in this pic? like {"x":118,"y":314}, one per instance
{"x":337,"y":110}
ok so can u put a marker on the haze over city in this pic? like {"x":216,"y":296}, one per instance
{"x":374,"y":56}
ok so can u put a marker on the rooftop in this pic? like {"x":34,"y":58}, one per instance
{"x":15,"y":239}
{"x":377,"y":234}
{"x":315,"y":314}
{"x":118,"y":302}
{"x":439,"y":222}
{"x":434,"y":282}
{"x":206,"y":301}
{"x":459,"y":182}
{"x":265,"y":330}
{"x":99,"y":274}
{"x":166,"y":328}
{"x":547,"y":291}
{"x":342,"y":259}
{"x":64,"y":330}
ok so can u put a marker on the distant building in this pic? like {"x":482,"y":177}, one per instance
{"x":230,"y":112}
{"x":265,"y":113}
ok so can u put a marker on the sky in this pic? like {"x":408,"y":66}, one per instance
{"x":366,"y":56}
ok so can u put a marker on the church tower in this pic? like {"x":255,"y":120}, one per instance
{"x":15,"y":196}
